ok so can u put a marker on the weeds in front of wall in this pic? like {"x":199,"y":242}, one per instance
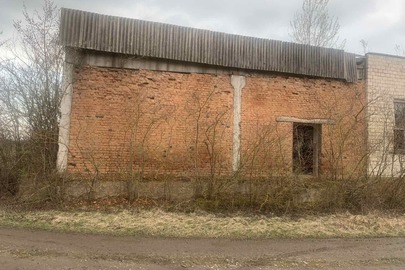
{"x":292,"y":196}
{"x":269,"y":196}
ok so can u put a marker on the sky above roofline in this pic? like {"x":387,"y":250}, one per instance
{"x":380,"y":22}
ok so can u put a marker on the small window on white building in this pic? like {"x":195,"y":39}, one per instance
{"x":399,"y":129}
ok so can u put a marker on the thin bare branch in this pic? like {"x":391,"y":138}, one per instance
{"x":314,"y":26}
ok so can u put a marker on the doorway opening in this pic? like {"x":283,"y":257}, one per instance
{"x":306,"y":148}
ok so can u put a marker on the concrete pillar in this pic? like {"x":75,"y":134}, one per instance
{"x":238,"y":83}
{"x":65,"y":108}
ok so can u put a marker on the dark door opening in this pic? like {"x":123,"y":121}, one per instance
{"x":306,"y":149}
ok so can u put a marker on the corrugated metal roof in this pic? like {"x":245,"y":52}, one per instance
{"x":93,"y":31}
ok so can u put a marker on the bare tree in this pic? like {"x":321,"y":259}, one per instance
{"x":364,"y":45}
{"x":399,"y":50}
{"x":30,"y":90}
{"x":314,"y":26}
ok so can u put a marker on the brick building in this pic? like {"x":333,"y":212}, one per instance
{"x":156,"y":99}
{"x":386,"y":114}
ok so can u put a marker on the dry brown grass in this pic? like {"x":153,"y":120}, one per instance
{"x":165,"y":224}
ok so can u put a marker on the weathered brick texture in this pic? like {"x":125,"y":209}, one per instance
{"x":132,"y":120}
{"x":267,"y":97}
{"x":164,"y":122}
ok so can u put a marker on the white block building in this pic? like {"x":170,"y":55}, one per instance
{"x":386,"y":114}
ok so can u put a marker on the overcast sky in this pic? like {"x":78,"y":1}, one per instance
{"x":380,"y":22}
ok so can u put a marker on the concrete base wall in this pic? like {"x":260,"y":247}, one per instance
{"x":180,"y":191}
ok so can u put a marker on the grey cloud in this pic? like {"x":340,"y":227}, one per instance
{"x":260,"y":18}
{"x":349,"y":11}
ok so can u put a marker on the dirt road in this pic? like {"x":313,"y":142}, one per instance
{"x":24,"y":249}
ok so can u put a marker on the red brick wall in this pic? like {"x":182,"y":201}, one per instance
{"x":139,"y":120}
{"x":149,"y":119}
{"x":267,"y":97}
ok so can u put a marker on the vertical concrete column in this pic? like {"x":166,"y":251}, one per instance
{"x":238,"y":83}
{"x":65,"y":109}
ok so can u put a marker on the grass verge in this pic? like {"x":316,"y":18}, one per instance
{"x":190,"y":225}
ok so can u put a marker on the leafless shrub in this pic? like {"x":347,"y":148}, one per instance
{"x":30,"y":92}
{"x":209,"y":124}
